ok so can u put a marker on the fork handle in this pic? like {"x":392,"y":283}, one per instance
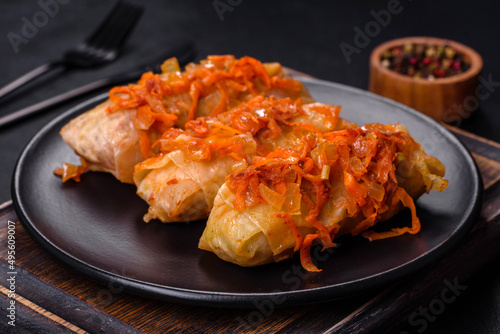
{"x":35,"y":73}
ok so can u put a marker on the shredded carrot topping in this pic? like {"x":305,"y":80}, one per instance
{"x":70,"y":171}
{"x":223,"y":135}
{"x":366,"y":157}
{"x":305,"y":253}
{"x":228,"y":76}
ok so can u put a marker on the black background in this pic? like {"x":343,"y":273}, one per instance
{"x":304,"y":35}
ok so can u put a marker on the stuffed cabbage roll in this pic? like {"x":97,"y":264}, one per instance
{"x":180,"y":184}
{"x":117,"y":134}
{"x":344,"y":184}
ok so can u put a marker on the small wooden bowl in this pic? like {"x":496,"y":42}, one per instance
{"x":450,"y":99}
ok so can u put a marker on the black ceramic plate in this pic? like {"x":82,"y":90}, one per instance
{"x":96,"y":226}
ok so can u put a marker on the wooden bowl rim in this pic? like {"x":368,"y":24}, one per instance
{"x":475,"y":59}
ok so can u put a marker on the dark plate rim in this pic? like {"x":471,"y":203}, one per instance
{"x":245,"y":300}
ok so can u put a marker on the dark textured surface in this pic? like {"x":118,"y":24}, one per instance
{"x":303,"y":35}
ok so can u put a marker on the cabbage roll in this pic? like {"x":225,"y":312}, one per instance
{"x":180,"y":183}
{"x":118,"y":134}
{"x":344,"y":184}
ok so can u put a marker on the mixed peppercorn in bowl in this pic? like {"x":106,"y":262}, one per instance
{"x":435,"y":76}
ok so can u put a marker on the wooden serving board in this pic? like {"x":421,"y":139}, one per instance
{"x":52,"y":298}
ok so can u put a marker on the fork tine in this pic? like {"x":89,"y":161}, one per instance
{"x":116,"y":27}
{"x":101,"y":35}
{"x":122,"y":29}
{"x":127,"y":28}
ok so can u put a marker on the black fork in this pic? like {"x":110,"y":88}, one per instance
{"x":102,"y":47}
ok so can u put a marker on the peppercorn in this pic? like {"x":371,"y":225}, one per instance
{"x":449,"y":52}
{"x":430,"y":52}
{"x":439,"y":72}
{"x":425,"y":60}
{"x":408,"y":48}
{"x":446,"y":63}
{"x":440,"y":51}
